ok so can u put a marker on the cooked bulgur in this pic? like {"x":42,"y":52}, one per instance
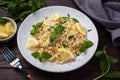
{"x":70,"y":36}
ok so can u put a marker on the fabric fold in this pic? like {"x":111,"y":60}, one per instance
{"x":106,"y":12}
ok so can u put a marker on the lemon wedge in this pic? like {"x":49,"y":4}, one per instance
{"x":81,"y":29}
{"x":3,"y":35}
{"x":65,"y":54}
{"x":8,"y":28}
{"x":1,"y":28}
{"x":32,"y":42}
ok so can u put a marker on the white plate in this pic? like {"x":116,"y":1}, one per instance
{"x":26,"y":26}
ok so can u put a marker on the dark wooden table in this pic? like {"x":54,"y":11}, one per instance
{"x":87,"y":72}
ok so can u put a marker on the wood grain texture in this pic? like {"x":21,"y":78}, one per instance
{"x":87,"y":72}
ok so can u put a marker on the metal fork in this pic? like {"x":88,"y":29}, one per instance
{"x":13,"y":60}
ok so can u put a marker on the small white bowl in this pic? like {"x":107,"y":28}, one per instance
{"x":11,"y":36}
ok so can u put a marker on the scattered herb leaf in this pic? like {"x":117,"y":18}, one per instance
{"x":75,"y":20}
{"x":70,"y":37}
{"x":64,"y":45}
{"x":68,"y":18}
{"x":89,"y":30}
{"x":68,"y":15}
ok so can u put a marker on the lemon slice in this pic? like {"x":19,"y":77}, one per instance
{"x":65,"y":54}
{"x":3,"y":35}
{"x":81,"y":29}
{"x":32,"y":42}
{"x":8,"y":28}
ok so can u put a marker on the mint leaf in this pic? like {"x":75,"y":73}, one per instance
{"x":53,"y":36}
{"x":113,"y":74}
{"x":75,"y":20}
{"x":46,"y":55}
{"x":33,"y":31}
{"x":86,"y":45}
{"x":40,"y":59}
{"x":35,"y":54}
{"x":59,"y":29}
{"x":35,"y":27}
{"x":112,"y":59}
{"x":41,"y":56}
{"x":99,"y":53}
{"x":39,"y":24}
{"x":104,"y":65}
{"x":56,"y":32}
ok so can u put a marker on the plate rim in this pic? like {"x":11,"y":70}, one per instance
{"x":65,"y":70}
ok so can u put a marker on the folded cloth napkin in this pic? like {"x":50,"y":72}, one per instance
{"x":106,"y":12}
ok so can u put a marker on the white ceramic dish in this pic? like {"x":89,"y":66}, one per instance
{"x":26,"y":26}
{"x":15,"y":26}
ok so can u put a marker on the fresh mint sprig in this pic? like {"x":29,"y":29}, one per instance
{"x":19,"y":9}
{"x":86,"y":45}
{"x":105,"y":65}
{"x":56,"y":32}
{"x":35,"y":27}
{"x":41,"y":56}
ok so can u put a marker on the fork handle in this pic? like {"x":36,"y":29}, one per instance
{"x":26,"y":73}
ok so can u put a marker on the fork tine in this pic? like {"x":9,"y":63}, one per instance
{"x":10,"y":52}
{"x":8,"y":60}
{"x":4,"y":54}
{"x":8,"y":55}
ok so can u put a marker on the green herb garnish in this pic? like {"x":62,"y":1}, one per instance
{"x":35,"y":54}
{"x":19,"y":9}
{"x":86,"y":45}
{"x":35,"y":27}
{"x":41,"y":56}
{"x":75,"y":20}
{"x":3,"y":20}
{"x":64,"y":45}
{"x":56,"y":32}
{"x":105,"y":64}
{"x":70,"y":37}
{"x":68,"y":18}
{"x":45,"y":55}
{"x":50,"y":28}
{"x":68,"y":15}
{"x":89,"y":30}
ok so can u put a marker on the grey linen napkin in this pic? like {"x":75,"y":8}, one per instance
{"x":106,"y":12}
